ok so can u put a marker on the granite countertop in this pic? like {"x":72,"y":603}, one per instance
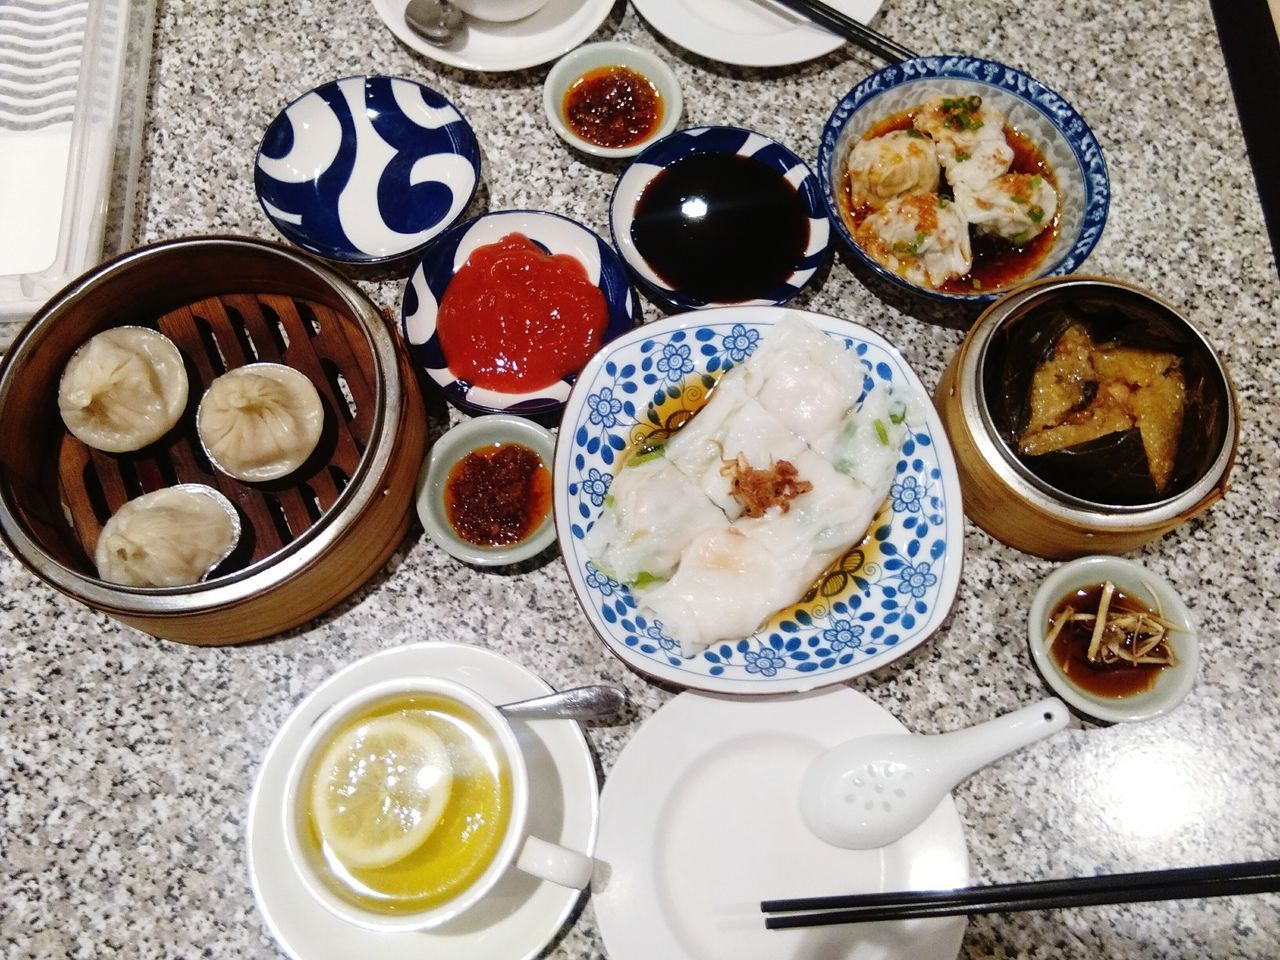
{"x":126,"y":762}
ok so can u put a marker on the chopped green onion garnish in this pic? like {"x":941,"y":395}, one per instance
{"x":882,"y":432}
{"x":1036,"y":214}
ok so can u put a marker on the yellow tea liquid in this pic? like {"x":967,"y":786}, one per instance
{"x":460,"y":847}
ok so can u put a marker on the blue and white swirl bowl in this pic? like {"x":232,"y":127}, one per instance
{"x":1044,"y":116}
{"x":661,"y":155}
{"x":367,"y":169}
{"x":555,"y":234}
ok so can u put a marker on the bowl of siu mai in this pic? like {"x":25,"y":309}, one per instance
{"x":1088,"y":416}
{"x":957,"y":178}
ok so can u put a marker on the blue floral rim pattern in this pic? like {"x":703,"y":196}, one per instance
{"x":881,"y":600}
{"x":703,"y":140}
{"x":1050,"y":105}
{"x":443,"y":258}
{"x":366,"y":169}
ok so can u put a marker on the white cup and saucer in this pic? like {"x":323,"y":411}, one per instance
{"x":505,"y":912}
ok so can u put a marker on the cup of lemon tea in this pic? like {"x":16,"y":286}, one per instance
{"x":408,"y":801}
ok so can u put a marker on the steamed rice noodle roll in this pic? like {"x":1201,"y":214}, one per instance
{"x":652,"y":511}
{"x":867,"y":443}
{"x":969,"y":136}
{"x":922,"y":238}
{"x":1016,"y":207}
{"x":806,"y":379}
{"x":893,"y":165}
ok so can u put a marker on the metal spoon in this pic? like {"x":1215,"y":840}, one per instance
{"x":436,"y":21}
{"x":578,"y":703}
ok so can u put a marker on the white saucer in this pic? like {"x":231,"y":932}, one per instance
{"x":521,"y":914}
{"x":555,"y":29}
{"x":750,"y":33}
{"x":700,"y":821}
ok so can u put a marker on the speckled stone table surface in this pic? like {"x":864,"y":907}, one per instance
{"x":126,"y":762}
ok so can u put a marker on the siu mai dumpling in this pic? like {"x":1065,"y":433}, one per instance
{"x":1016,"y":207}
{"x":260,"y":422}
{"x":123,"y":389}
{"x":167,"y":538}
{"x":969,"y":136}
{"x":893,"y":165}
{"x":922,"y":238}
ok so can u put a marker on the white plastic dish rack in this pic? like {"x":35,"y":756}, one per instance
{"x":73,"y":80}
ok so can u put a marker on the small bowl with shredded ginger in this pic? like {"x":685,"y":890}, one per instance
{"x":1113,"y":639}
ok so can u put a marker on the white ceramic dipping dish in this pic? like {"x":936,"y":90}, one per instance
{"x":1172,"y":684}
{"x":448,"y":450}
{"x":592,"y":56}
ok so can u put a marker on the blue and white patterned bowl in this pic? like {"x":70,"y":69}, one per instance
{"x":886,"y":596}
{"x":366,"y":169}
{"x":701,"y":140}
{"x":443,"y":258}
{"x":1045,"y":117}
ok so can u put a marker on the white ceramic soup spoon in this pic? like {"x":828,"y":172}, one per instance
{"x":870,"y":791}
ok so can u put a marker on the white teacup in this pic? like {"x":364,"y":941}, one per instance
{"x":499,"y":11}
{"x":345,"y":890}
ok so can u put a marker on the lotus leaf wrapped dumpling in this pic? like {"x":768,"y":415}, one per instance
{"x":969,"y":136}
{"x":1016,"y":206}
{"x":261,"y":421}
{"x":123,"y":389}
{"x":167,"y":538}
{"x":899,"y":163}
{"x":922,"y":238}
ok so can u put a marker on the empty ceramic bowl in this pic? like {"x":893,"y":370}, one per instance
{"x":366,"y":169}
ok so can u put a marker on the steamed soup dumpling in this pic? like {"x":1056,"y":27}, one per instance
{"x":123,"y":389}
{"x":1015,"y":207}
{"x":261,"y":421}
{"x":922,"y":238}
{"x":167,"y":538}
{"x":969,"y":136}
{"x":896,"y":164}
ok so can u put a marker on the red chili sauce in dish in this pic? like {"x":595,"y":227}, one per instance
{"x":497,"y":495}
{"x":515,"y":318}
{"x":612,"y":107}
{"x":997,"y":263}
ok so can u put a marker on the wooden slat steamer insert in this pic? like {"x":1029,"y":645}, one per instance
{"x":216,"y":335}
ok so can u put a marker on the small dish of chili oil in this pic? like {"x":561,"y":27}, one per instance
{"x":611,"y":99}
{"x":613,"y":106}
{"x":1113,"y":639}
{"x":485,"y":492}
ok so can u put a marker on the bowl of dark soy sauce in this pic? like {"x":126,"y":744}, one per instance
{"x":714,"y":216}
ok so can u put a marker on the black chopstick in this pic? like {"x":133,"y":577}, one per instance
{"x":845,"y":26}
{"x":1222,"y":880}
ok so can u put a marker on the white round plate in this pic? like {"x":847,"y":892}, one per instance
{"x":493,"y":47}
{"x":521,"y":914}
{"x":749,"y":33}
{"x":700,"y":821}
{"x":882,"y":599}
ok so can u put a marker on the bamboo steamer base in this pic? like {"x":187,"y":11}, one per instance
{"x":373,"y":537}
{"x":309,"y":540}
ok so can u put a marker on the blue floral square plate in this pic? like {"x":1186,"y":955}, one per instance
{"x":882,"y":598}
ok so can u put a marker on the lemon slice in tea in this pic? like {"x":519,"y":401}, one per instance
{"x":380,"y":789}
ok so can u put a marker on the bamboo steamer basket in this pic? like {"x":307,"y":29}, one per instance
{"x":310,"y":539}
{"x":1004,"y":497}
